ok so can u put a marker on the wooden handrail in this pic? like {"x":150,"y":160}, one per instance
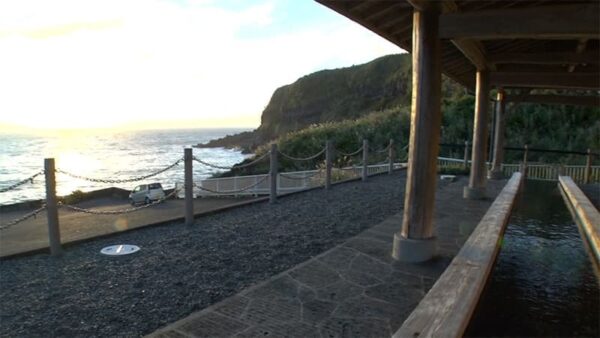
{"x":584,"y":212}
{"x":447,"y":308}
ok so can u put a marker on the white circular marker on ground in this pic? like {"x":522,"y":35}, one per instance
{"x":120,"y":249}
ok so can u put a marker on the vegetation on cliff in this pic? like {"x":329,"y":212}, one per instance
{"x":372,"y":101}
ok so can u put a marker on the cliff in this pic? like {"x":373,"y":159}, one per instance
{"x":328,"y":96}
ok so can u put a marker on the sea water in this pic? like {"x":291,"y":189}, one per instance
{"x":543,"y":283}
{"x":106,"y":155}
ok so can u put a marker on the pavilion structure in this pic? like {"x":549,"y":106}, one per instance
{"x":507,"y":45}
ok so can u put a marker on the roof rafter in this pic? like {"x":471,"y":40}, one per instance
{"x":588,"y":101}
{"x":546,"y":80}
{"x":546,"y":58}
{"x":545,"y":22}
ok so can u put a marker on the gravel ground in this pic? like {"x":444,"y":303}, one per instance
{"x":181,"y":269}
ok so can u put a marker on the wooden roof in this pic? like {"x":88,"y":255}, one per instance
{"x":524,"y":44}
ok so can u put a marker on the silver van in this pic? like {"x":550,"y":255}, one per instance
{"x":146,"y":193}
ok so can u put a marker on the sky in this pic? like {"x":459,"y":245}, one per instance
{"x":141,"y":64}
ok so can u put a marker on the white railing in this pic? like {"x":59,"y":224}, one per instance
{"x":535,"y":171}
{"x":286,"y":182}
{"x":300,"y":180}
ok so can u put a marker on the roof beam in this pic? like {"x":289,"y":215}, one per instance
{"x":580,"y":48}
{"x":380,"y":9}
{"x":546,"y":58}
{"x":475,"y":52}
{"x":471,"y":49}
{"x":588,"y":101}
{"x":546,"y":80}
{"x":548,"y":22}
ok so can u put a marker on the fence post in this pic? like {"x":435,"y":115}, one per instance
{"x":561,"y":170}
{"x":328,"y":163}
{"x":365,"y":160}
{"x":587,"y":176}
{"x":466,"y":158}
{"x":189,"y":185}
{"x":391,"y":157}
{"x":52,"y":208}
{"x":273,"y":172}
{"x":525,"y":151}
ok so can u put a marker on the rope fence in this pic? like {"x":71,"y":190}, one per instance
{"x":240,"y":166}
{"x":303,"y":158}
{"x":303,"y":177}
{"x":236,"y":191}
{"x":358,"y":151}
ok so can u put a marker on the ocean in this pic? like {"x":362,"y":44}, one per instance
{"x":112,"y":155}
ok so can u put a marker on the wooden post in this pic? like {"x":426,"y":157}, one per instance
{"x":466,"y":158}
{"x":189,"y":185}
{"x":328,"y":163}
{"x":587,"y":176}
{"x":416,"y":242}
{"x":273,"y":172}
{"x":525,"y":153}
{"x":52,"y":208}
{"x":477,"y":178}
{"x":391,"y":157}
{"x":496,"y":171}
{"x":365,"y":171}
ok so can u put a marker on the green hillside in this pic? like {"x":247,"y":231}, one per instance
{"x":372,"y":101}
{"x":333,"y":95}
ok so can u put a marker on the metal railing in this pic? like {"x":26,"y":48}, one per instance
{"x":290,"y":181}
{"x":536,"y":171}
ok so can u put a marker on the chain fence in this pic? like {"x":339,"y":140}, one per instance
{"x":20,"y":183}
{"x":127,"y":180}
{"x":22,"y":218}
{"x":232,"y":167}
{"x":118,"y":211}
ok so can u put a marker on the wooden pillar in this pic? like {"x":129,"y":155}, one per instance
{"x":328,"y":163}
{"x":391,"y":157}
{"x":466,"y":157}
{"x":273,"y":173}
{"x":496,"y":172}
{"x":365,"y":158}
{"x":52,"y":208}
{"x":588,"y":167}
{"x":189,"y":185}
{"x":477,"y":179}
{"x":416,"y":242}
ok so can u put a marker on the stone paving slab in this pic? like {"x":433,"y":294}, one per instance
{"x":353,"y":290}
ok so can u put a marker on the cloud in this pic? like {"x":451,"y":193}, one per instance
{"x":105,"y":63}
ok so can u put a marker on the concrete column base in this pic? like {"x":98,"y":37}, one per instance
{"x":413,"y":250}
{"x":496,"y":175}
{"x":474,"y":193}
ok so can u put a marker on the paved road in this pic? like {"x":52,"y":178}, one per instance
{"x":33,"y":234}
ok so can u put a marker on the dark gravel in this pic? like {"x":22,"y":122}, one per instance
{"x":182,"y":269}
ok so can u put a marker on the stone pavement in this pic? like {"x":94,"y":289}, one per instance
{"x":32,"y":234}
{"x":353,"y":290}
